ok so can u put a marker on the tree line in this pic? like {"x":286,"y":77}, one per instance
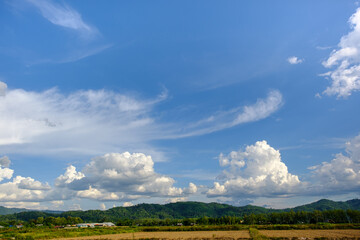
{"x":291,"y":217}
{"x":301,"y":217}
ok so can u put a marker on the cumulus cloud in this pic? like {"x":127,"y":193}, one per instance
{"x":128,"y":204}
{"x":28,"y":205}
{"x":57,"y":204}
{"x":341,"y":174}
{"x":69,"y":176}
{"x":257,"y":171}
{"x":22,"y":189}
{"x":3,"y":88}
{"x":346,"y":60}
{"x":5,"y":172}
{"x":111,"y":177}
{"x":102,"y":206}
{"x":294,"y":60}
{"x":120,"y":176}
{"x":95,"y":194}
{"x":177,"y":199}
{"x":4,"y":161}
{"x":75,"y":207}
{"x":32,"y":184}
{"x":64,"y":16}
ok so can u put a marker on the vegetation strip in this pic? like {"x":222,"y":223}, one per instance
{"x":255,"y":234}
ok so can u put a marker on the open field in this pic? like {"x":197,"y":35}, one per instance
{"x":229,"y":235}
{"x":260,"y":232}
{"x":312,"y":233}
{"x":173,"y":235}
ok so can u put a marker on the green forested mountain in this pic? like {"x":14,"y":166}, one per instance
{"x":325,"y":204}
{"x":180,"y":210}
{"x":4,"y":210}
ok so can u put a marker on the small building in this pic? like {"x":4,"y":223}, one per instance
{"x":82,"y":225}
{"x":108,"y":224}
{"x":92,"y":225}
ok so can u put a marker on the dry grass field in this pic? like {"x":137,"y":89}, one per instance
{"x":313,"y":233}
{"x":229,"y":235}
{"x":172,"y":235}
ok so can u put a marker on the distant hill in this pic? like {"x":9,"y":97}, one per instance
{"x":179,"y":210}
{"x":325,"y":204}
{"x":5,"y":211}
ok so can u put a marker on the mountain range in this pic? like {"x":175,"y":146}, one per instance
{"x":177,"y":210}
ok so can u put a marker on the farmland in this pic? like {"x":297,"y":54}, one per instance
{"x":332,"y":231}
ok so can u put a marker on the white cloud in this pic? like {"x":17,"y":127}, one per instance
{"x":262,"y":109}
{"x":27,"y":205}
{"x":32,"y":184}
{"x":257,"y":171}
{"x":81,"y":54}
{"x":111,"y":177}
{"x":69,"y":176}
{"x":20,"y":189}
{"x":346,"y":76}
{"x":75,"y":207}
{"x":14,"y":192}
{"x":64,"y":16}
{"x":4,"y":161}
{"x":191,"y":189}
{"x":5,"y":173}
{"x":3,"y":88}
{"x":102,"y":206}
{"x":177,"y":199}
{"x":84,"y":122}
{"x":95,"y":122}
{"x":122,"y":176}
{"x":93,"y":193}
{"x":57,"y":204}
{"x":128,"y":204}
{"x":340,"y":175}
{"x":294,"y":60}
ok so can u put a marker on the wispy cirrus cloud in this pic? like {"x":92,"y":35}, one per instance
{"x":95,"y":122}
{"x":64,"y":16}
{"x":61,"y":15}
{"x":89,"y":122}
{"x":262,"y":109}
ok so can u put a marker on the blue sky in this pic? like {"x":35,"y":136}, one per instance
{"x":124,"y":102}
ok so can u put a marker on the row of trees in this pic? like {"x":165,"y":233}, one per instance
{"x":45,"y":221}
{"x":331,"y":216}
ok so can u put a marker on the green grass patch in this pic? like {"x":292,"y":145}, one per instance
{"x":50,"y":233}
{"x":255,"y":234}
